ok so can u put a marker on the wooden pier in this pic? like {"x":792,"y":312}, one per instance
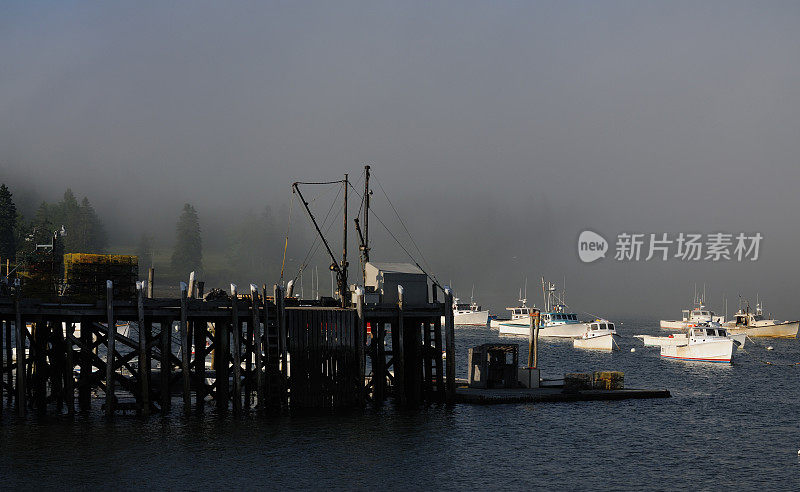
{"x":268,"y":353}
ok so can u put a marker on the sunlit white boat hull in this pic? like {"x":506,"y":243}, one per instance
{"x":475,"y":318}
{"x":603,"y":342}
{"x":522,"y":328}
{"x":680,"y":339}
{"x":720,"y":351}
{"x":787,"y":329}
{"x":673,"y":324}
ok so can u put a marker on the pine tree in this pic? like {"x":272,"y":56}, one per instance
{"x":67,"y":213}
{"x":94,"y":238}
{"x":8,"y":224}
{"x":188,"y":253}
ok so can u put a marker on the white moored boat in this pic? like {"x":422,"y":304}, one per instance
{"x":518,"y":324}
{"x":680,"y":338}
{"x":598,"y":336}
{"x":692,"y":318}
{"x":469,"y":314}
{"x":702,"y":344}
{"x":753,"y":325}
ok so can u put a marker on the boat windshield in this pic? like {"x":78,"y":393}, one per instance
{"x":610,"y":326}
{"x":711,"y":332}
{"x":723,"y":333}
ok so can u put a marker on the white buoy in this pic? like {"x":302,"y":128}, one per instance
{"x":633,"y":349}
{"x":769,"y":348}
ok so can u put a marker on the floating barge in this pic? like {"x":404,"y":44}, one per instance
{"x":465,"y":394}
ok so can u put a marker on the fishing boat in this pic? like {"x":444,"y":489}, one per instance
{"x":469,"y":314}
{"x":599,"y":335}
{"x":754,"y":325}
{"x":556,"y":321}
{"x":702,"y":344}
{"x":518,"y":321}
{"x":692,"y":317}
{"x":680,"y":338}
{"x":699,"y":314}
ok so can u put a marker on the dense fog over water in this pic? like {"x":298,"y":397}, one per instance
{"x":499,"y":132}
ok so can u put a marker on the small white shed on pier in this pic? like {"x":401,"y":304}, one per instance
{"x":383,"y":278}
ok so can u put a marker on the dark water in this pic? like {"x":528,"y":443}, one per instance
{"x":726,"y":427}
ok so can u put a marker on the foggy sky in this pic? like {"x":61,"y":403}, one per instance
{"x":500,"y":130}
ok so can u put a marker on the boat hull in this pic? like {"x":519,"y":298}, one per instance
{"x":674,"y":324}
{"x":720,"y":351}
{"x":777,"y":330}
{"x":478,"y":318}
{"x":603,"y":342}
{"x":680,"y":339}
{"x":520,"y":328}
{"x":667,"y":324}
{"x":652,"y":341}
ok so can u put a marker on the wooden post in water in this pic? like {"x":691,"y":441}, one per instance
{"x":185,"y":349}
{"x":280,"y":303}
{"x":449,"y":338}
{"x":361,"y":345}
{"x":398,"y":352}
{"x":166,"y":364}
{"x":531,"y":342}
{"x":536,"y":341}
{"x":69,"y":368}
{"x":256,"y":344}
{"x":3,"y":355}
{"x":151,"y":275}
{"x":9,"y":365}
{"x":237,"y":358}
{"x":19,"y":334}
{"x":85,"y":380}
{"x":111,"y":348}
{"x":144,"y":399}
{"x":222,"y":360}
{"x":200,"y":330}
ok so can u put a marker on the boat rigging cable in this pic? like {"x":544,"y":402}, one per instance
{"x":288,"y":227}
{"x":311,"y":254}
{"x":430,"y":276}
{"x":315,"y":244}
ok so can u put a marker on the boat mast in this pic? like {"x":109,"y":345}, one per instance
{"x":364,"y":237}
{"x":343,"y":291}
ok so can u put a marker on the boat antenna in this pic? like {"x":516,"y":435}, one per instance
{"x":544,"y":297}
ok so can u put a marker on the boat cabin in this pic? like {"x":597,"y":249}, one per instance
{"x":549,"y":319}
{"x":697,"y":314}
{"x":703,"y":333}
{"x":520,"y":312}
{"x":601,"y":326}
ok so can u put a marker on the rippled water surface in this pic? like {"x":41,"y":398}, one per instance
{"x":724,"y":427}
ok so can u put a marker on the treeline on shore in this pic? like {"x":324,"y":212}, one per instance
{"x":252,"y":250}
